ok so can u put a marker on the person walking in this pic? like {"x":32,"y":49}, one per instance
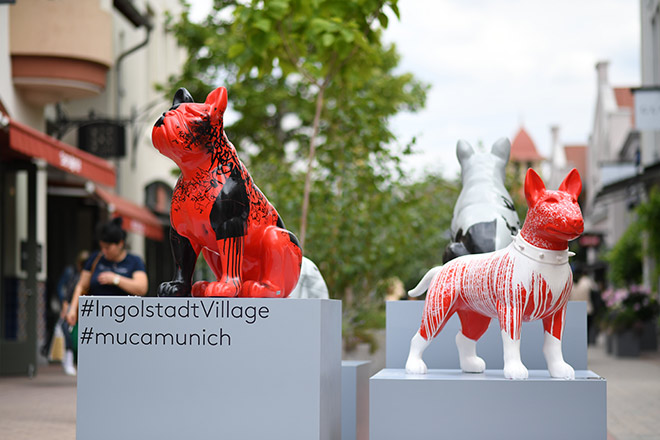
{"x":65,"y":289}
{"x":112,"y":271}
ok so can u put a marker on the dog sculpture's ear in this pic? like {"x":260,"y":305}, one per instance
{"x":534,"y":187}
{"x":218,"y":101}
{"x":182,"y":95}
{"x":572,"y":183}
{"x":502,"y":148}
{"x":463,"y":150}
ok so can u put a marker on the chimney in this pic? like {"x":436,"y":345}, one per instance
{"x":554,"y":132}
{"x":558,"y":161}
{"x":601,"y":69}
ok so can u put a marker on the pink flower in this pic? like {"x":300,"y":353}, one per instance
{"x":620,"y":295}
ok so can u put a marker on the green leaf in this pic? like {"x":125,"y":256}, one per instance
{"x":348,"y":36}
{"x":263,"y":24}
{"x":277,"y":9}
{"x":235,"y":50}
{"x":321,"y":25}
{"x":382,"y":18}
{"x":328,"y":40}
{"x":395,"y":9}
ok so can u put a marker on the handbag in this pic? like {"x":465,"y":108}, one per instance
{"x":74,"y":339}
{"x":56,"y":353}
{"x":85,"y":290}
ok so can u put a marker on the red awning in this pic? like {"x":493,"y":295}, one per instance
{"x":33,"y":143}
{"x":136,"y":218}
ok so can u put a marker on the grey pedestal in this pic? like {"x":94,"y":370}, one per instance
{"x":446,"y":403}
{"x":449,"y":404}
{"x":404,"y":318}
{"x":355,"y":400}
{"x":166,"y":368}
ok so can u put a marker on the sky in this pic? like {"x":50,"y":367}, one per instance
{"x":496,"y":65}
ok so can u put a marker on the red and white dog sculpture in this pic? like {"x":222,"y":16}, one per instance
{"x":528,"y":280}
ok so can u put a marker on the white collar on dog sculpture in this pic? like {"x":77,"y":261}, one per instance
{"x":539,"y":254}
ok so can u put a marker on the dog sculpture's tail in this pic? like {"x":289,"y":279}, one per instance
{"x":425,"y":282}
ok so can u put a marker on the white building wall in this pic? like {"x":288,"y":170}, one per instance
{"x":610,"y":130}
{"x":619,"y":219}
{"x":650,"y":66}
{"x":33,"y":116}
{"x":620,"y":124}
{"x":17,"y":108}
{"x":601,"y":149}
{"x":137,"y":100}
{"x":140,"y":72}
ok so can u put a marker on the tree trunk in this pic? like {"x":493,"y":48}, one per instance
{"x":348,"y":298}
{"x":310,"y":165}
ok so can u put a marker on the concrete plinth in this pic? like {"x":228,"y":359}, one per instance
{"x":209,"y":368}
{"x":455,"y":405}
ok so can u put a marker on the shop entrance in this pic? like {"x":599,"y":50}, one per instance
{"x":19,"y":264}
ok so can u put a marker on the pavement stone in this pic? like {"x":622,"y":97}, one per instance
{"x":633,"y":393}
{"x":44,"y":407}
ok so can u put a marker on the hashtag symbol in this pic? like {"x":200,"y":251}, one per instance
{"x":86,"y":335}
{"x":87,"y":307}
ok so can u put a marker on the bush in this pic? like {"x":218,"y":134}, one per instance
{"x":629,"y":308}
{"x":625,"y":258}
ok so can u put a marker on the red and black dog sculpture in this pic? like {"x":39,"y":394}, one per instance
{"x":219,"y":211}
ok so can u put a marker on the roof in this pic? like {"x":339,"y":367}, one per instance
{"x":624,"y":97}
{"x":523,"y":148}
{"x":576,"y":156}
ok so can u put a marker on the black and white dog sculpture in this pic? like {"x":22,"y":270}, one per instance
{"x":484,"y":215}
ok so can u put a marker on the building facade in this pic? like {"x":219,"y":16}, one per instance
{"x":77,"y":103}
{"x":650,"y":69}
{"x":607,"y":214}
{"x":624,"y":146}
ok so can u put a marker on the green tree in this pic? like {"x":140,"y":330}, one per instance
{"x":318,"y":123}
{"x":625,"y":257}
{"x":323,"y":43}
{"x":640,"y":240}
{"x":649,"y":219}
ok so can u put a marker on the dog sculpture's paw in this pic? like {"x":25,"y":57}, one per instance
{"x":561,"y":370}
{"x":515,"y":370}
{"x":473,"y":364}
{"x":415,"y":366}
{"x":215,"y":289}
{"x":174,"y":288}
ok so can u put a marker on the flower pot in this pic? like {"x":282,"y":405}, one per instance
{"x":609,"y":342}
{"x":626,"y":343}
{"x":649,"y":336}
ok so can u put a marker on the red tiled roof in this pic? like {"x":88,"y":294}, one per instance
{"x":523,"y":148}
{"x":576,"y":156}
{"x":624,"y":97}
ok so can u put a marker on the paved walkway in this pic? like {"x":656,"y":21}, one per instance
{"x":44,"y":407}
{"x":41,"y":408}
{"x":633,"y":394}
